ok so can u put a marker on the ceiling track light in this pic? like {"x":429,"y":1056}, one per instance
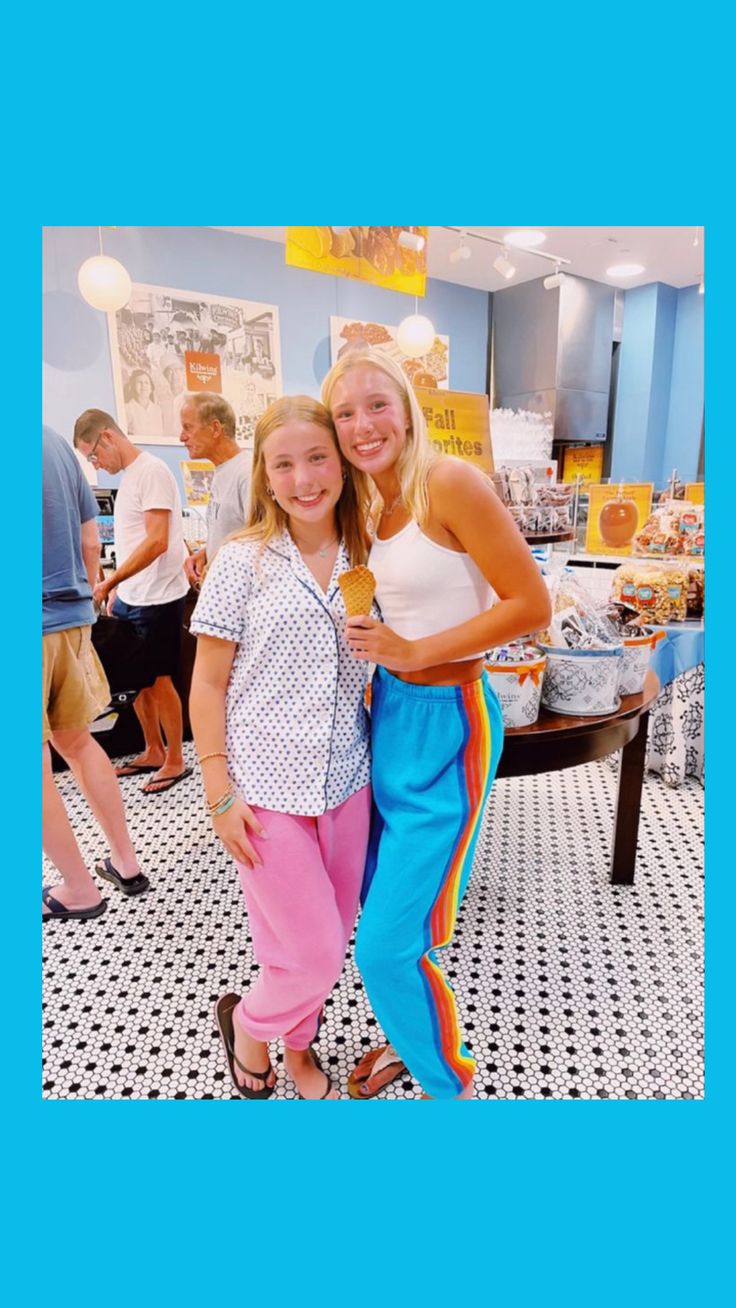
{"x":412,"y":241}
{"x":504,"y":266}
{"x":554,"y":280}
{"x":462,"y":252}
{"x":465,"y":232}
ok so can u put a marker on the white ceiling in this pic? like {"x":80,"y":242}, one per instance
{"x":668,"y":253}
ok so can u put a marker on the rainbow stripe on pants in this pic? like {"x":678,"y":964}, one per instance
{"x":435,"y":754}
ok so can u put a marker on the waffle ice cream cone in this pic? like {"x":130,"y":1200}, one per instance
{"x":358,"y":587}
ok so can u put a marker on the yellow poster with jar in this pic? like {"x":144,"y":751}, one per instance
{"x":458,"y":422}
{"x":368,"y":254}
{"x":615,"y":514}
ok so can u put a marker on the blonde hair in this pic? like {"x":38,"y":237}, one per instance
{"x":267,"y":519}
{"x":417,"y":458}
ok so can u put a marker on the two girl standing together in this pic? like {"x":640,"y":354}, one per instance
{"x":282,"y":734}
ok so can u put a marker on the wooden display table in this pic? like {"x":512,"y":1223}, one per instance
{"x":555,"y":742}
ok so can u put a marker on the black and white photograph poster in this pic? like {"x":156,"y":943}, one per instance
{"x":167,"y":342}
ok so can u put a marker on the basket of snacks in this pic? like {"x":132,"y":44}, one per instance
{"x":517,"y":672}
{"x":584,"y":654}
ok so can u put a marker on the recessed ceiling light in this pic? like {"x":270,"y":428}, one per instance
{"x":625,"y":270}
{"x":525,"y":240}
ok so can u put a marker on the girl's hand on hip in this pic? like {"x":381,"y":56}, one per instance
{"x":232,"y":828}
{"x":372,"y":642}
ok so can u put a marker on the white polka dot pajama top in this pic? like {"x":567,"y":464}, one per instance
{"x":297,"y":734}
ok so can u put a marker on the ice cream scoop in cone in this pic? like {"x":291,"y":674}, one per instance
{"x":358,"y":587}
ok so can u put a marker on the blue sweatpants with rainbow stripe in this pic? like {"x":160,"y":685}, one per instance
{"x":435,"y":754}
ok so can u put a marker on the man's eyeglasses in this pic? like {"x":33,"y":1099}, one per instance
{"x":91,"y":457}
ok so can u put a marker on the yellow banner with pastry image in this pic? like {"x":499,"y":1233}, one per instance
{"x":367,"y":254}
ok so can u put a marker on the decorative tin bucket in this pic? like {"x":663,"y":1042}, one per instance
{"x":582,"y":682}
{"x":519,"y":689}
{"x":634,"y":664}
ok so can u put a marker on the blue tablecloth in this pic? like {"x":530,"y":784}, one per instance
{"x":683,"y":649}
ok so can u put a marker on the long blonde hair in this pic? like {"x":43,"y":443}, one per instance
{"x":266,"y":519}
{"x":417,"y":458}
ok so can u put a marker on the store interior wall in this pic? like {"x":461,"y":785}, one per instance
{"x":659,"y":399}
{"x":77,"y":369}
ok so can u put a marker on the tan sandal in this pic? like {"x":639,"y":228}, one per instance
{"x":363,"y":1072}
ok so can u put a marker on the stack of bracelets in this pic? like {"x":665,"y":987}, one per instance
{"x":227,"y":798}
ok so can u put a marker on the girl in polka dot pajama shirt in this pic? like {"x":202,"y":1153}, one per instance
{"x":277,"y":710}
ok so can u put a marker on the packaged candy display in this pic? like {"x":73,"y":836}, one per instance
{"x":658,"y":591}
{"x":695,"y":590}
{"x":517,"y":673}
{"x":577,"y":621}
{"x":536,"y":510}
{"x":674,"y":527}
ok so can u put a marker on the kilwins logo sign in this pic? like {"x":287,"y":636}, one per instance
{"x":203,"y":371}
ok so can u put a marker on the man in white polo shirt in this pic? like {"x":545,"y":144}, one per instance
{"x":149,"y":586}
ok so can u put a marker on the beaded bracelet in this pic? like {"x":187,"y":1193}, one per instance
{"x":223,"y":808}
{"x":217,"y":802}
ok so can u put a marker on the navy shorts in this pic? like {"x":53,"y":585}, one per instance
{"x":160,"y":628}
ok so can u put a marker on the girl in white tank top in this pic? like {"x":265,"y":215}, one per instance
{"x":444,"y":549}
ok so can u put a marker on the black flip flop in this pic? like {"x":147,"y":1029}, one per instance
{"x":60,"y":913}
{"x":129,"y":885}
{"x":165,"y":783}
{"x":135,"y":770}
{"x":224,"y":1009}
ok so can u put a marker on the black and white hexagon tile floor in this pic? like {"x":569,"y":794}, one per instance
{"x":568,"y":987}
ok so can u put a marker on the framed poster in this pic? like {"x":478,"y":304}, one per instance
{"x":369,"y":254}
{"x":432,"y":369}
{"x":167,"y":342}
{"x":585,"y":461}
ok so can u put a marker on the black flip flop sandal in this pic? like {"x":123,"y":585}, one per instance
{"x":129,"y":885}
{"x":60,"y":913}
{"x":224,"y":1009}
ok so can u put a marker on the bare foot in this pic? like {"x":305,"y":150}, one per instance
{"x":307,"y":1077}
{"x":253,"y":1054}
{"x":74,"y":901}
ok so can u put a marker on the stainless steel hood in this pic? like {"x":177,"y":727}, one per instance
{"x":552,"y":353}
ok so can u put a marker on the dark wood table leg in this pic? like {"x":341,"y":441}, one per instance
{"x":628,"y":806}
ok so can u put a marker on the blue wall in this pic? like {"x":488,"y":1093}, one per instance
{"x":77,"y":369}
{"x":659,"y":403}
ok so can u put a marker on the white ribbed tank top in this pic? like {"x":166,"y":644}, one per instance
{"x":424,"y":588}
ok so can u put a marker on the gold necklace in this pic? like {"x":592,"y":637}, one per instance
{"x":389,"y":508}
{"x":322,"y":550}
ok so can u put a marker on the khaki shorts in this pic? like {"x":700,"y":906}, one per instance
{"x":75,"y":688}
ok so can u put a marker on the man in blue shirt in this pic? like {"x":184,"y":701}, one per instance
{"x":75,"y":690}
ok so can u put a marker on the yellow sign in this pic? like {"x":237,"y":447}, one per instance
{"x":368,"y":254}
{"x":695,"y":492}
{"x":615,"y":514}
{"x":458,"y":423}
{"x":585,"y":461}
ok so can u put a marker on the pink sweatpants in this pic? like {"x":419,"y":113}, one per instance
{"x":302,"y":903}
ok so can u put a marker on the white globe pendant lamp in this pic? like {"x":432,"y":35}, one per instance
{"x":104,"y":282}
{"x":416,"y":335}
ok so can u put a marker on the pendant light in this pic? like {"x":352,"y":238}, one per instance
{"x":415,"y":334}
{"x":104,"y":282}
